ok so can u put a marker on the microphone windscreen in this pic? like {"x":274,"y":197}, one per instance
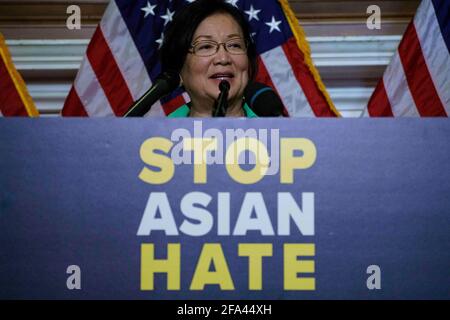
{"x":224,"y":85}
{"x":169,"y":80}
{"x":263,"y":100}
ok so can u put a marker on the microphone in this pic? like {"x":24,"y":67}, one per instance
{"x":164,"y":84}
{"x":222,"y":100}
{"x":263,"y":100}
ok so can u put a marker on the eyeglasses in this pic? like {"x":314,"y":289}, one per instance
{"x":206,"y":48}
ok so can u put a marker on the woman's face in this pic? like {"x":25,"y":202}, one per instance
{"x":202,"y":75}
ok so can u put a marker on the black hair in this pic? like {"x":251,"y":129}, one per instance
{"x":179,"y":33}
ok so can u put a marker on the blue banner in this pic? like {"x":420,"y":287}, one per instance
{"x":224,"y":209}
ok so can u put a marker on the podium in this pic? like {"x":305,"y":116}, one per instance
{"x":157,"y":209}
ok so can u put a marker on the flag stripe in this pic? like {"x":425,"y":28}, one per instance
{"x":397,"y":90}
{"x":379,"y":105}
{"x":173,"y":104}
{"x":263,"y":74}
{"x":112,"y":81}
{"x":124,"y":51}
{"x":10,"y":102}
{"x":186,"y":97}
{"x":442,"y":9}
{"x":315,"y":97}
{"x":264,"y":77}
{"x":419,"y":80}
{"x":90,"y":92}
{"x":435,"y":51}
{"x":286,"y":83}
{"x":73,"y":105}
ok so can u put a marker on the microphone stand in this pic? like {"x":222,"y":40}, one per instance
{"x":163,"y":85}
{"x":222,"y":100}
{"x":143,"y":104}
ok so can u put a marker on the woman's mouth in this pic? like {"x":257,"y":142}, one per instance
{"x":222,"y":76}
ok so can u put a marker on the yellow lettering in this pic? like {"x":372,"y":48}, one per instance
{"x":255,"y":252}
{"x":232,"y":160}
{"x":150,"y":266}
{"x":151,"y":158}
{"x":289,"y":163}
{"x":292,"y":266}
{"x":212,"y":253}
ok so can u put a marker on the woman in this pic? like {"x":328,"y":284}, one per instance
{"x":207,"y":42}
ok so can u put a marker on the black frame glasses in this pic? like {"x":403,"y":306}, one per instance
{"x":207,"y":48}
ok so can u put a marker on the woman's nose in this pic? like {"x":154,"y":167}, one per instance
{"x":222,"y":56}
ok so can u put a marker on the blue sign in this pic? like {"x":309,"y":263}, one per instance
{"x":224,"y":209}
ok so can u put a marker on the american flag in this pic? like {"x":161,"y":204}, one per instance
{"x":14,"y":97}
{"x":122,"y":59}
{"x":417,"y":81}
